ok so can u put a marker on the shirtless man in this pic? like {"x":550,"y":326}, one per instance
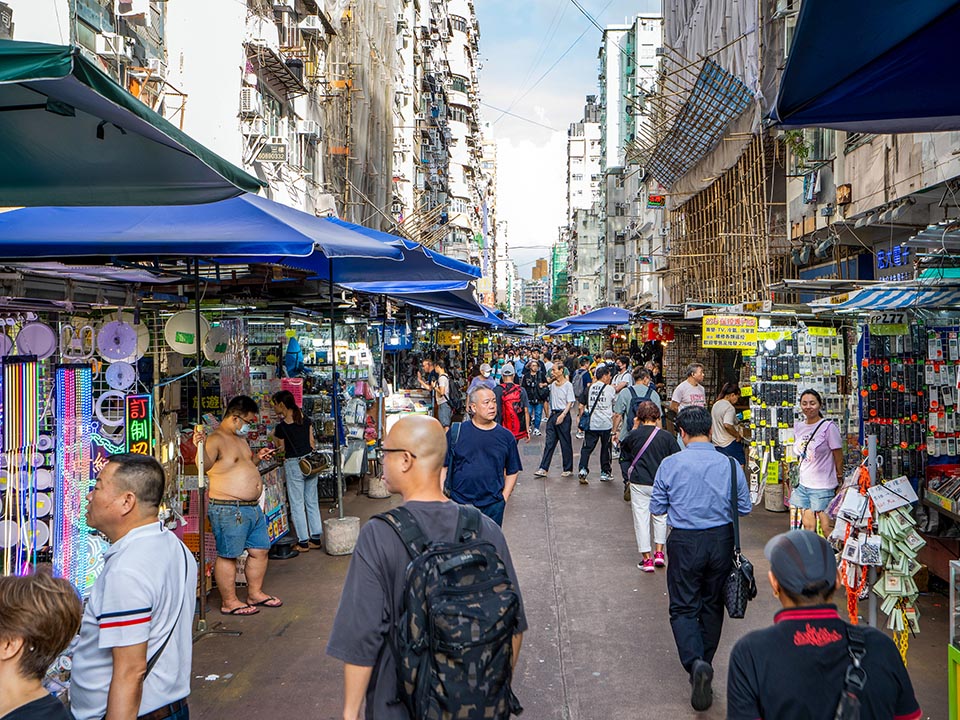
{"x":234,"y":507}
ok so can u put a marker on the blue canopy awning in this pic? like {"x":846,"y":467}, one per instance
{"x":422,"y":270}
{"x":575,"y":329}
{"x":602,"y":316}
{"x":881,"y":67}
{"x":235,"y":227}
{"x":891,"y":298}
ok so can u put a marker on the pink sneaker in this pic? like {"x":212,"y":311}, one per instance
{"x":646,"y":565}
{"x":659,"y":560}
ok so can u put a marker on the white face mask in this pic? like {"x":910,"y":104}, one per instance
{"x":244,"y":430}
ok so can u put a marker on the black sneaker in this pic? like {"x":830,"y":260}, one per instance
{"x":701,"y":677}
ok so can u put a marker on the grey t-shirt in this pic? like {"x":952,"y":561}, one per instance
{"x":372,"y":598}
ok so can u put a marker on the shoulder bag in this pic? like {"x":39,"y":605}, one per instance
{"x":454,"y":437}
{"x":856,"y":678}
{"x":642,"y":450}
{"x":740,"y":586}
{"x":584,"y":423}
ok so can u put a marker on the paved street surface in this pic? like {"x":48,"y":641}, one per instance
{"x":599,"y":645}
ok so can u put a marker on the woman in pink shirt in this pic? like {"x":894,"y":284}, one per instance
{"x":818,"y":448}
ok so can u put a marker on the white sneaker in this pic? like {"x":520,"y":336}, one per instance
{"x":579,"y":435}
{"x":566,"y":473}
{"x":540,"y":473}
{"x":536,"y":431}
{"x":605,"y":477}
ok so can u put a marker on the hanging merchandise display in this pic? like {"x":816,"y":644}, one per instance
{"x":116,"y":341}
{"x":37,"y":338}
{"x":787,"y":362}
{"x":74,"y":413}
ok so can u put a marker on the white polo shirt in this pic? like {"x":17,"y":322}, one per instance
{"x":149,"y":578}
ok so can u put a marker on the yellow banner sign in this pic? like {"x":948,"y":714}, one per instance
{"x":822,"y":331}
{"x":729,"y":332}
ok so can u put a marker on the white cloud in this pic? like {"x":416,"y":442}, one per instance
{"x":531,"y":195}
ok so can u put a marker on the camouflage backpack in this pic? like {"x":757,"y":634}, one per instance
{"x":453,"y":641}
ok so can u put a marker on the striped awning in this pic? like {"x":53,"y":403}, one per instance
{"x":888,"y":298}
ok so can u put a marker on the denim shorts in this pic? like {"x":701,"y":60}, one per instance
{"x":237,"y":528}
{"x":814,"y":499}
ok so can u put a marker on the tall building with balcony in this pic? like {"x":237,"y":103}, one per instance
{"x":629,"y":64}
{"x":584,"y":182}
{"x":441,"y":190}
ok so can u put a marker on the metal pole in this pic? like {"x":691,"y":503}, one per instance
{"x":335,"y":395}
{"x":872,"y":572}
{"x":201,"y":480}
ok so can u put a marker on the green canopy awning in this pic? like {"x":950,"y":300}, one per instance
{"x":70,"y":135}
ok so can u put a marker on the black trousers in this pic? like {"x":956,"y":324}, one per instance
{"x":590,"y":439}
{"x":558,"y":434}
{"x":700,"y":561}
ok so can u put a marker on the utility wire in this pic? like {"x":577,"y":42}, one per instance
{"x":518,"y":117}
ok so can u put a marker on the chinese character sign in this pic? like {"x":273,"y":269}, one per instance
{"x":140,"y":424}
{"x":729,"y":332}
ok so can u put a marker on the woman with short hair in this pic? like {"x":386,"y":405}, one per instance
{"x":295,"y":435}
{"x":39,"y":616}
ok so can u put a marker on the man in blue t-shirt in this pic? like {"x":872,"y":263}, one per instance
{"x":481,"y":467}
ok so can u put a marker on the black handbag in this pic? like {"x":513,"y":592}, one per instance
{"x":584,"y":423}
{"x":740,"y":586}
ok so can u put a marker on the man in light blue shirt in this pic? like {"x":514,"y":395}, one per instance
{"x":693,"y":488}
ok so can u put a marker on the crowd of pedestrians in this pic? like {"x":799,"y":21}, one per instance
{"x":431,"y":616}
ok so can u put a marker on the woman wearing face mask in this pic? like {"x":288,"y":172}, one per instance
{"x":294,"y":433}
{"x":819,"y":452}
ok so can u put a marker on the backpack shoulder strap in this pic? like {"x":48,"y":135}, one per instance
{"x":468,"y":523}
{"x":856,"y":677}
{"x":454,"y":434}
{"x":407,"y":528}
{"x":633,"y":393}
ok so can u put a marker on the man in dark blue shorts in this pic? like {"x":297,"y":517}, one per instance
{"x":481,"y":467}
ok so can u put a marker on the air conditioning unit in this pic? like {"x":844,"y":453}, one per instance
{"x":310,"y":24}
{"x":255,"y":128}
{"x":156,"y":66}
{"x":111,"y":45}
{"x":251,"y":104}
{"x":618,"y":277}
{"x":309,"y":127}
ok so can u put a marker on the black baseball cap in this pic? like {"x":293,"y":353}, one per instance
{"x":801,"y":559}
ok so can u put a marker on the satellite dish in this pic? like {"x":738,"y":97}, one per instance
{"x":180,"y":332}
{"x":216,"y":343}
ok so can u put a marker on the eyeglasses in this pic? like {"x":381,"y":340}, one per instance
{"x":390,"y":450}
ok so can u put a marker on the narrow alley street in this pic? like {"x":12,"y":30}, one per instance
{"x":599,"y":645}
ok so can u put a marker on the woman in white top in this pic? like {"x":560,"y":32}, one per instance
{"x":818,"y":448}
{"x":561,"y":402}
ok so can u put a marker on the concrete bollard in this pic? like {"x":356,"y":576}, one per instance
{"x":340,"y":535}
{"x":773,"y":498}
{"x":378,"y":489}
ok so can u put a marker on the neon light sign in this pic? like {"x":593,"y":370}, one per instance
{"x":139,"y":426}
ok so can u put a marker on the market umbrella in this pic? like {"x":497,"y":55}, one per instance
{"x":233,"y":227}
{"x":882,"y":67}
{"x":422,"y":269}
{"x":73,"y":136}
{"x":601,"y":316}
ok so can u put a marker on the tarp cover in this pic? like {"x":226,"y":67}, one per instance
{"x":73,"y":136}
{"x":575,"y":329}
{"x":882,"y":67}
{"x":891,"y":298}
{"x":239,"y":226}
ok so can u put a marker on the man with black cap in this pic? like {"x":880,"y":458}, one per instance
{"x":795,"y":670}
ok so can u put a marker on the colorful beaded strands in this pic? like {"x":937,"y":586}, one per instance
{"x":74,"y":413}
{"x":21,"y":431}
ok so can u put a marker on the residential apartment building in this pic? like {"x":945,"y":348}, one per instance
{"x":367,"y":109}
{"x":440,"y":188}
{"x":536,"y":292}
{"x":719,"y":173}
{"x":584,"y":181}
{"x":629,"y":64}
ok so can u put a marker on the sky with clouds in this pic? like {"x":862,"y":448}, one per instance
{"x":539,"y":62}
